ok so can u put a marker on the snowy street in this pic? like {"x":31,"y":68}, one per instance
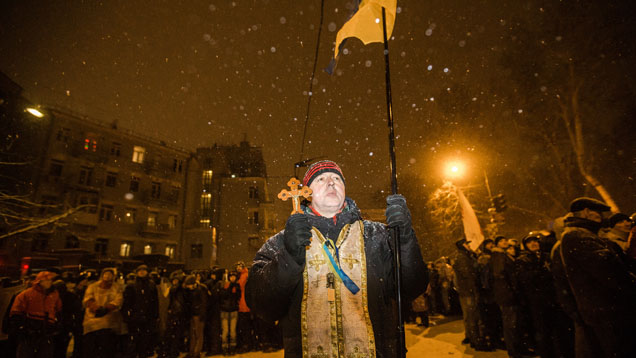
{"x":442,"y":339}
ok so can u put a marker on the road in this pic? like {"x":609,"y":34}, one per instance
{"x":442,"y":339}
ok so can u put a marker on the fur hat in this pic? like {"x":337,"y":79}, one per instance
{"x":320,"y":167}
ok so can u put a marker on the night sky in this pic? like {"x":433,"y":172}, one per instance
{"x":468,"y":77}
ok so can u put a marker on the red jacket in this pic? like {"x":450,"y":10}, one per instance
{"x":242,"y":281}
{"x":36,"y":304}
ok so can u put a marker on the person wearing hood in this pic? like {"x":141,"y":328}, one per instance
{"x":329,"y":276}
{"x":174,"y":337}
{"x":602,"y":286}
{"x":102,"y":302}
{"x":619,"y":227}
{"x":33,"y":317}
{"x":140,"y":310}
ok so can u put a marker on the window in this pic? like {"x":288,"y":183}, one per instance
{"x":115,"y":149}
{"x":63,"y":134}
{"x":106,"y":213}
{"x":172,"y":222}
{"x":207,"y":177}
{"x":138,"y":154}
{"x":177,"y":165}
{"x":111,"y":179}
{"x":174,"y":193}
{"x":152,"y":219}
{"x":206,"y":201}
{"x":72,"y":242}
{"x":125,"y":249}
{"x":196,"y":251}
{"x":134,"y":184}
{"x":84,"y":198}
{"x":55,"y":169}
{"x":130,"y":216}
{"x":90,"y":145}
{"x":85,"y":175}
{"x":156,"y":190}
{"x":205,"y":223}
{"x":171,"y":251}
{"x":253,"y":192}
{"x":147,"y":249}
{"x":252,"y":217}
{"x":101,"y":247}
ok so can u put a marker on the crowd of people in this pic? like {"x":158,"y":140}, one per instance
{"x":139,"y":315}
{"x":569,"y":292}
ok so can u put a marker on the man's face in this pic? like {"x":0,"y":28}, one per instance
{"x":532,"y":245}
{"x":490,"y":245}
{"x":232,"y":278}
{"x":592,"y":215}
{"x":503,"y":244}
{"x":624,"y":226}
{"x":46,"y":284}
{"x":142,"y":273}
{"x":107,"y":276}
{"x":328,"y":192}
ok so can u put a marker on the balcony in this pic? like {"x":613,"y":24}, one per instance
{"x":164,"y":200}
{"x":155,"y":230}
{"x":99,"y":156}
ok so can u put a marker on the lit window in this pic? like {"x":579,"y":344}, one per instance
{"x":90,"y":145}
{"x":152,"y":219}
{"x":207,"y":177}
{"x":125,"y":249}
{"x":205,"y":223}
{"x":138,"y":154}
{"x":130,"y":216}
{"x":206,"y":200}
{"x":172,"y":222}
{"x":170,"y":251}
{"x":147,"y":249}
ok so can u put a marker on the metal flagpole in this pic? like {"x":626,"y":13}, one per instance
{"x":394,"y":188}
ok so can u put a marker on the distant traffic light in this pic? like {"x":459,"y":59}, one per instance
{"x":499,"y":203}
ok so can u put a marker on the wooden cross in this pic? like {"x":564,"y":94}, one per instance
{"x":295,"y":194}
{"x":316,"y":262}
{"x":350,"y":261}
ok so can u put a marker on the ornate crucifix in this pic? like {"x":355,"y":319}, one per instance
{"x":295,"y":194}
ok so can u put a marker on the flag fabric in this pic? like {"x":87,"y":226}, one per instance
{"x":472,"y":230}
{"x":366,"y":25}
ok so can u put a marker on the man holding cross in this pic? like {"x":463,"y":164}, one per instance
{"x":329,"y":277}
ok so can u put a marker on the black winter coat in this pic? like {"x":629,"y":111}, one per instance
{"x":141,"y":302}
{"x":229,"y":296}
{"x":197,"y":301}
{"x":274,"y":288}
{"x":502,"y":268}
{"x":603,"y":286}
{"x":466,"y":274}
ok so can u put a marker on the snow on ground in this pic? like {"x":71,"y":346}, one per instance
{"x":442,"y":339}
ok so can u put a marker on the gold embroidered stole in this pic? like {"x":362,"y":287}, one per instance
{"x":340,"y":328}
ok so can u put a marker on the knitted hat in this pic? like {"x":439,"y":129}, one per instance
{"x":320,"y":167}
{"x":44,"y":275}
{"x":618,"y":217}
{"x":499,"y":238}
{"x":107,"y":269}
{"x":141,"y":267}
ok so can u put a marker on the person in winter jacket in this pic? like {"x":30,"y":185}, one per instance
{"x":502,"y":268}
{"x":603,"y":287}
{"x":140,"y":311}
{"x":196,"y":301}
{"x":34,"y":317}
{"x":619,"y":227}
{"x":176,"y":324}
{"x":245,"y":337}
{"x":213,"y":322}
{"x":329,"y":276}
{"x":70,"y":320}
{"x":102,"y":302}
{"x":466,"y":281}
{"x":229,"y":292}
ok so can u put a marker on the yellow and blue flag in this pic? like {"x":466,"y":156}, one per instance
{"x":366,"y":25}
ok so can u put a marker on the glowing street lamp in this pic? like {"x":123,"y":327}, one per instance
{"x":455,"y":170}
{"x":35,"y":112}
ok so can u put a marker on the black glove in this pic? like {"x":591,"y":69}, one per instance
{"x":296,"y":236}
{"x":101,"y":312}
{"x":398,"y":215}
